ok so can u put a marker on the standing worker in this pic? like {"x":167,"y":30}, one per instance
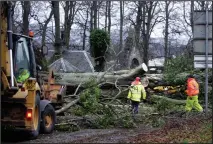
{"x":192,"y":95}
{"x":135,"y":94}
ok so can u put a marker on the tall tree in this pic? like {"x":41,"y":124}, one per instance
{"x":121,"y":24}
{"x":106,"y":15}
{"x":95,"y":16}
{"x":192,"y":15}
{"x":138,"y":24}
{"x":91,"y":16}
{"x":70,"y":11}
{"x":109,"y":17}
{"x":166,"y":36}
{"x":148,"y":24}
{"x":26,"y":8}
{"x":85,"y":28}
{"x":44,"y":32}
{"x":55,"y":7}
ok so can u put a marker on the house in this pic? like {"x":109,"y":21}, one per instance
{"x":73,"y":61}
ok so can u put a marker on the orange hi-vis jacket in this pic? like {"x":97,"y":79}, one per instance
{"x":192,"y":87}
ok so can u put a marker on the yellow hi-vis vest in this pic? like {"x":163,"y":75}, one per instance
{"x":136,"y":92}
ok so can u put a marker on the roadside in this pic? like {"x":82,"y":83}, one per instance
{"x":196,"y":128}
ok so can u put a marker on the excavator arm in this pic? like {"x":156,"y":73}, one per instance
{"x":8,"y":81}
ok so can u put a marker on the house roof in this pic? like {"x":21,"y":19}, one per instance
{"x":74,"y":61}
{"x":62,"y":65}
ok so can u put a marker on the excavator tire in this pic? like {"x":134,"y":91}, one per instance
{"x":36,"y":119}
{"x":48,"y":119}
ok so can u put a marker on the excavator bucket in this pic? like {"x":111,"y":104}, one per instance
{"x":52,"y":91}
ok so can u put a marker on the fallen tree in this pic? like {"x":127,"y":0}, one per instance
{"x":124,"y":76}
{"x":118,"y":81}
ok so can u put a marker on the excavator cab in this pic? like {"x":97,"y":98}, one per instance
{"x":24,"y":58}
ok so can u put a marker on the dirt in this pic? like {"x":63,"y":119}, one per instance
{"x":175,"y":130}
{"x":89,"y":135}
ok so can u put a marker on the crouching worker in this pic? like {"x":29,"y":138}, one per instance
{"x":192,"y":95}
{"x":136,"y":93}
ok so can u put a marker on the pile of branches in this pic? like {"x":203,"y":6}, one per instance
{"x":95,"y":109}
{"x":99,"y":99}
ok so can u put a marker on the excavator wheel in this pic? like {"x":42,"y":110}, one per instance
{"x":48,"y":119}
{"x":36,"y":119}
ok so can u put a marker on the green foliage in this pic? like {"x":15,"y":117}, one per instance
{"x":67,"y":127}
{"x":177,"y":65}
{"x":99,"y":40}
{"x":111,"y":119}
{"x":78,"y":111}
{"x":163,"y":105}
{"x":107,"y":116}
{"x":107,"y":120}
{"x":126,"y":121}
{"x":158,"y":122}
{"x":90,"y":97}
{"x":210,"y":97}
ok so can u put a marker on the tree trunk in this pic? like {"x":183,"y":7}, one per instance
{"x":91,"y":27}
{"x":203,"y":5}
{"x":144,"y":36}
{"x":13,"y":23}
{"x":95,"y":14}
{"x":66,"y":19}
{"x":45,"y":29}
{"x":91,"y":18}
{"x":106,"y":15}
{"x":73,"y":79}
{"x":55,"y":5}
{"x":138,"y":25}
{"x":166,"y":31}
{"x":109,"y":17}
{"x":26,"y":7}
{"x":69,"y":17}
{"x":121,"y":25}
{"x":192,"y":15}
{"x":85,"y":29}
{"x":99,"y":3}
{"x":147,"y":33}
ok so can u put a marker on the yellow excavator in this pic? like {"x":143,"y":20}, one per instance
{"x":27,"y":104}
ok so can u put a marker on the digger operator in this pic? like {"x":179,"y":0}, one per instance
{"x":136,"y":93}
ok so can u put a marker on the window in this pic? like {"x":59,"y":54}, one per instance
{"x":22,"y":58}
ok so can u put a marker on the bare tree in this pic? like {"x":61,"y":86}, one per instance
{"x":166,"y":30}
{"x":137,"y":25}
{"x":44,"y":32}
{"x":85,"y":28}
{"x":91,"y":16}
{"x":149,"y":21}
{"x":70,"y":11}
{"x":26,"y":8}
{"x":109,"y":17}
{"x":121,"y":24}
{"x":95,"y":16}
{"x":106,"y":15}
{"x":55,"y":7}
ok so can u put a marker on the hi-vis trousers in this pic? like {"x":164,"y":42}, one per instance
{"x":192,"y":102}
